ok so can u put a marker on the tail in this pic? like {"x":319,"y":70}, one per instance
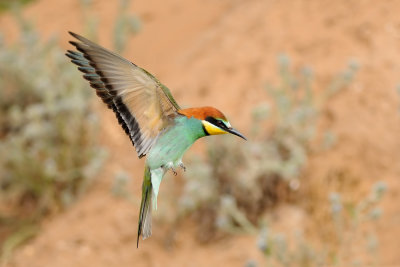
{"x":144,"y":227}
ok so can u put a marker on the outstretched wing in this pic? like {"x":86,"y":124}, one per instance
{"x":142,"y":105}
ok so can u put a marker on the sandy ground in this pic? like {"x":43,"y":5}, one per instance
{"x":222,"y":53}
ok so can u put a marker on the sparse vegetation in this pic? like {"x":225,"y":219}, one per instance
{"x":48,"y":134}
{"x":48,"y":145}
{"x":9,"y":4}
{"x":350,"y":224}
{"x":236,"y":183}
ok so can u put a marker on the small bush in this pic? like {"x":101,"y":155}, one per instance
{"x":352,"y":233}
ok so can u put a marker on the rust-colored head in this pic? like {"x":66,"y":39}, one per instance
{"x":202,"y":113}
{"x":214,"y":122}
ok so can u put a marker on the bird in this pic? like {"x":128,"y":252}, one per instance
{"x":146,"y":110}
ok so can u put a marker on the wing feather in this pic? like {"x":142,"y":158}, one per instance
{"x":142,"y":105}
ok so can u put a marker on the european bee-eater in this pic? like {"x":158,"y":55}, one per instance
{"x":149,"y":115}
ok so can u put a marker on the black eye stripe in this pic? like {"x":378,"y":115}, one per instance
{"x":216,"y":122}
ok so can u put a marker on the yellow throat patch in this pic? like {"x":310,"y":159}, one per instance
{"x":212,"y":129}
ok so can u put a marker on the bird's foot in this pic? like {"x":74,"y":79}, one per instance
{"x":174,"y":171}
{"x":182,"y":166}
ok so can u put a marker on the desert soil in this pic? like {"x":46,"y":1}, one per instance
{"x":221,"y":53}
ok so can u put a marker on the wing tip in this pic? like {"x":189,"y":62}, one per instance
{"x":83,"y":40}
{"x":74,"y":43}
{"x":75,"y":35}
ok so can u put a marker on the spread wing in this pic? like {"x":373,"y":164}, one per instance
{"x":142,"y":105}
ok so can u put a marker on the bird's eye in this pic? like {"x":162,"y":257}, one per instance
{"x":221,"y":124}
{"x":217,"y":122}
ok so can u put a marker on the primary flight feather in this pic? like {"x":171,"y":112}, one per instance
{"x":158,"y":128}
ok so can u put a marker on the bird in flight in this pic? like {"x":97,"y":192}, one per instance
{"x":158,"y":128}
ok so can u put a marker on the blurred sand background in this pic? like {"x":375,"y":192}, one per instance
{"x":220,"y":53}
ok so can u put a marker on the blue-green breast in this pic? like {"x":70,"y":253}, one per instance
{"x":174,"y":141}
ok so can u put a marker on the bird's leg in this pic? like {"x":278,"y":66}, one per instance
{"x":182,"y":166}
{"x":170,"y":166}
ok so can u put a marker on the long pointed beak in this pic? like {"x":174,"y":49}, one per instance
{"x":236,"y":132}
